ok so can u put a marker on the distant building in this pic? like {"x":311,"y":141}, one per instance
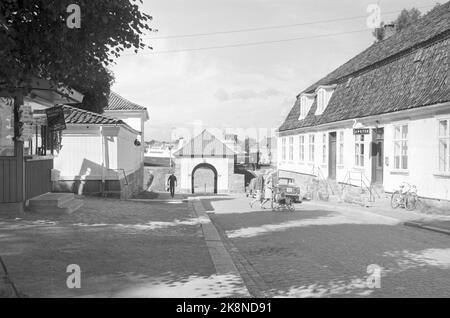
{"x":206,"y":165}
{"x":161,"y":153}
{"x":268,"y":151}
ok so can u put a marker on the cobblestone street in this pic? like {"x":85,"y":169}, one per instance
{"x":124,"y":249}
{"x":319,"y":252}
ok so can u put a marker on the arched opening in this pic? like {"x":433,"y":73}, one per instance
{"x":204,"y":179}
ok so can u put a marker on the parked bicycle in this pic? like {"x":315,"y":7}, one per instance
{"x":405,"y":198}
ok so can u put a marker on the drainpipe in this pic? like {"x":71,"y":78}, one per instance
{"x":103,"y":161}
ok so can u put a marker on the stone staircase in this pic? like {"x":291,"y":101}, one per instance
{"x":363,"y":196}
{"x":54,"y":203}
{"x":324,"y":190}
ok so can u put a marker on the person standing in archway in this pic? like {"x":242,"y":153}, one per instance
{"x":172,"y":183}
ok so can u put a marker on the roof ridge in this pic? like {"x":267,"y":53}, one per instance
{"x":438,"y":38}
{"x":381,"y":51}
{"x":93,"y":113}
{"x":124,"y":100}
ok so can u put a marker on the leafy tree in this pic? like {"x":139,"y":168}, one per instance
{"x":95,"y":89}
{"x":36,"y":41}
{"x":407,"y":18}
{"x":404,"y":20}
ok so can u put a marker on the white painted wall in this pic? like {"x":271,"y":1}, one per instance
{"x":422,"y":157}
{"x":136,"y":120}
{"x":94,"y":153}
{"x":423,"y":160}
{"x":222,"y":165}
{"x":313,"y":168}
{"x":129,"y":157}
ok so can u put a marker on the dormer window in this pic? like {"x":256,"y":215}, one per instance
{"x":306,"y":100}
{"x":323,"y":97}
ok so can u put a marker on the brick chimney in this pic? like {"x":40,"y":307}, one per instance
{"x":389,"y":30}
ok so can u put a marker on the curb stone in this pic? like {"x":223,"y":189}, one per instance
{"x":253,"y":280}
{"x":427,"y":227}
{"x":221,"y":258}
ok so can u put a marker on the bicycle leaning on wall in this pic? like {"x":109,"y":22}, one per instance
{"x":405,"y":198}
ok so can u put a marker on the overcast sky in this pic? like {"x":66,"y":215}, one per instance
{"x":245,"y":86}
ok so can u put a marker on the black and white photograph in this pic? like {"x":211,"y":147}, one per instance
{"x":223,"y":154}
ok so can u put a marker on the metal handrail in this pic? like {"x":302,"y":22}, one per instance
{"x":363,"y":184}
{"x":322,"y":176}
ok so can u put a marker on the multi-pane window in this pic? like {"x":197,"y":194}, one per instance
{"x":341,"y":148}
{"x":283,"y":149}
{"x":311,"y":148}
{"x":320,"y":100}
{"x":359,"y":150}
{"x":301,"y":148}
{"x":303,"y":107}
{"x":324,"y":148}
{"x":401,"y":147}
{"x":444,"y":144}
{"x":291,"y":148}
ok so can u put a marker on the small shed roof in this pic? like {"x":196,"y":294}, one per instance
{"x":205,"y":144}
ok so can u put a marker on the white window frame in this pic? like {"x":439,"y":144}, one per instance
{"x":403,"y":143}
{"x":301,"y":148}
{"x":320,"y":100}
{"x":303,"y":102}
{"x":283,"y":149}
{"x":341,"y":147}
{"x":446,"y":169}
{"x":360,"y":150}
{"x":324,"y":149}
{"x":311,"y":148}
{"x":291,"y":149}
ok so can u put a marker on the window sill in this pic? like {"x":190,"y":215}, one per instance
{"x":340,"y":166}
{"x":442,"y":175}
{"x":400,"y":172}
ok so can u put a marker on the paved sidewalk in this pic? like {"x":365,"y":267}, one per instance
{"x":433,"y":222}
{"x":124,"y":249}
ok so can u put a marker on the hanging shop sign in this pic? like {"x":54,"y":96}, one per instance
{"x":55,"y":118}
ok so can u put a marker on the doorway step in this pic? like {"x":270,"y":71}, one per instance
{"x":364,"y":196}
{"x":54,"y":203}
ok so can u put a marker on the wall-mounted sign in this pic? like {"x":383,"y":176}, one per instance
{"x":55,"y":118}
{"x":6,"y":126}
{"x":361,"y":131}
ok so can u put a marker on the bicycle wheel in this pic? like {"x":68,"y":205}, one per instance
{"x":411,"y":202}
{"x":396,"y":199}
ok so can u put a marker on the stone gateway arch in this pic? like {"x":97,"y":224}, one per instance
{"x":206,"y":165}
